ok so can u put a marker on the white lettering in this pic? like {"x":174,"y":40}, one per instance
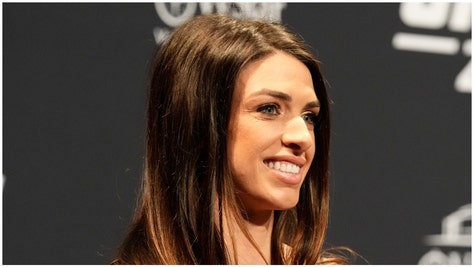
{"x":174,"y":14}
{"x":425,"y":43}
{"x":460,"y":20}
{"x":161,"y":34}
{"x":467,"y":258}
{"x":455,"y":232}
{"x":177,"y":14}
{"x":456,"y":17}
{"x":208,"y":8}
{"x":424,"y":15}
{"x":269,"y":11}
{"x":462,"y":83}
{"x":436,"y":256}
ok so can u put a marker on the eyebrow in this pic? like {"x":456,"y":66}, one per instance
{"x":273,"y":93}
{"x":313,"y":104}
{"x":284,"y":97}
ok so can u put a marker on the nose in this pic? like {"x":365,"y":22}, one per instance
{"x":297,"y":135}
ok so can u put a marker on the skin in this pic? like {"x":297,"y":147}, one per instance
{"x":273,"y":117}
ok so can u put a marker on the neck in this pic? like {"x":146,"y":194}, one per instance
{"x":240,"y":247}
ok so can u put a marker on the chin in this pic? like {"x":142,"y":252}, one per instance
{"x":288,"y":203}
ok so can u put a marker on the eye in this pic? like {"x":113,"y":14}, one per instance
{"x":269,"y":109}
{"x":311,"y":118}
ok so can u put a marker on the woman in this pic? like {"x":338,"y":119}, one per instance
{"x":237,"y":150}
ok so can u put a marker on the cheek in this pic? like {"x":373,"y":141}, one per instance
{"x":242,"y":143}
{"x":312,"y":150}
{"x":310,"y":155}
{"x":251,"y":136}
{"x":248,"y":143}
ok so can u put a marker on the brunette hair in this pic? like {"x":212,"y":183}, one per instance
{"x":187,"y":183}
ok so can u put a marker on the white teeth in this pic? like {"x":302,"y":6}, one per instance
{"x":277,"y":165}
{"x":283,"y":166}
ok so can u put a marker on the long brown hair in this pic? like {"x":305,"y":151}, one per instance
{"x":187,"y":183}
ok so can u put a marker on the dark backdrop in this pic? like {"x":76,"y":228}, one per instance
{"x":74,"y":89}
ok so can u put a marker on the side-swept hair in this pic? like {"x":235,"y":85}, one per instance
{"x":187,"y":182}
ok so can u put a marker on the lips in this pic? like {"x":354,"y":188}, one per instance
{"x":285,"y":171}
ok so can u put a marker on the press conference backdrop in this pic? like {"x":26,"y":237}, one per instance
{"x":74,"y":92}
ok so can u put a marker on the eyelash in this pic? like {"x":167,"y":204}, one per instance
{"x":264,"y":109}
{"x":273,"y":109}
{"x":313,"y":118}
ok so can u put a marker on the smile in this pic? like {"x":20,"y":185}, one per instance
{"x":283,"y":166}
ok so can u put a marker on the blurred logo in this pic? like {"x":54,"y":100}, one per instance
{"x":455,"y":239}
{"x":428,"y":23}
{"x":174,"y":14}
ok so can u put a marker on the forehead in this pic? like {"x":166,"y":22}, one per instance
{"x":279,"y":71}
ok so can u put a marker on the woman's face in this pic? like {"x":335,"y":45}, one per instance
{"x":271,"y":140}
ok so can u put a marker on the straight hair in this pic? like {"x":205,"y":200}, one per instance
{"x":187,"y":186}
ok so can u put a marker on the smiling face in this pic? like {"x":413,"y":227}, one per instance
{"x":271,"y":141}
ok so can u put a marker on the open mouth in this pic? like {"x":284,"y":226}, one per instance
{"x":283,"y":166}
